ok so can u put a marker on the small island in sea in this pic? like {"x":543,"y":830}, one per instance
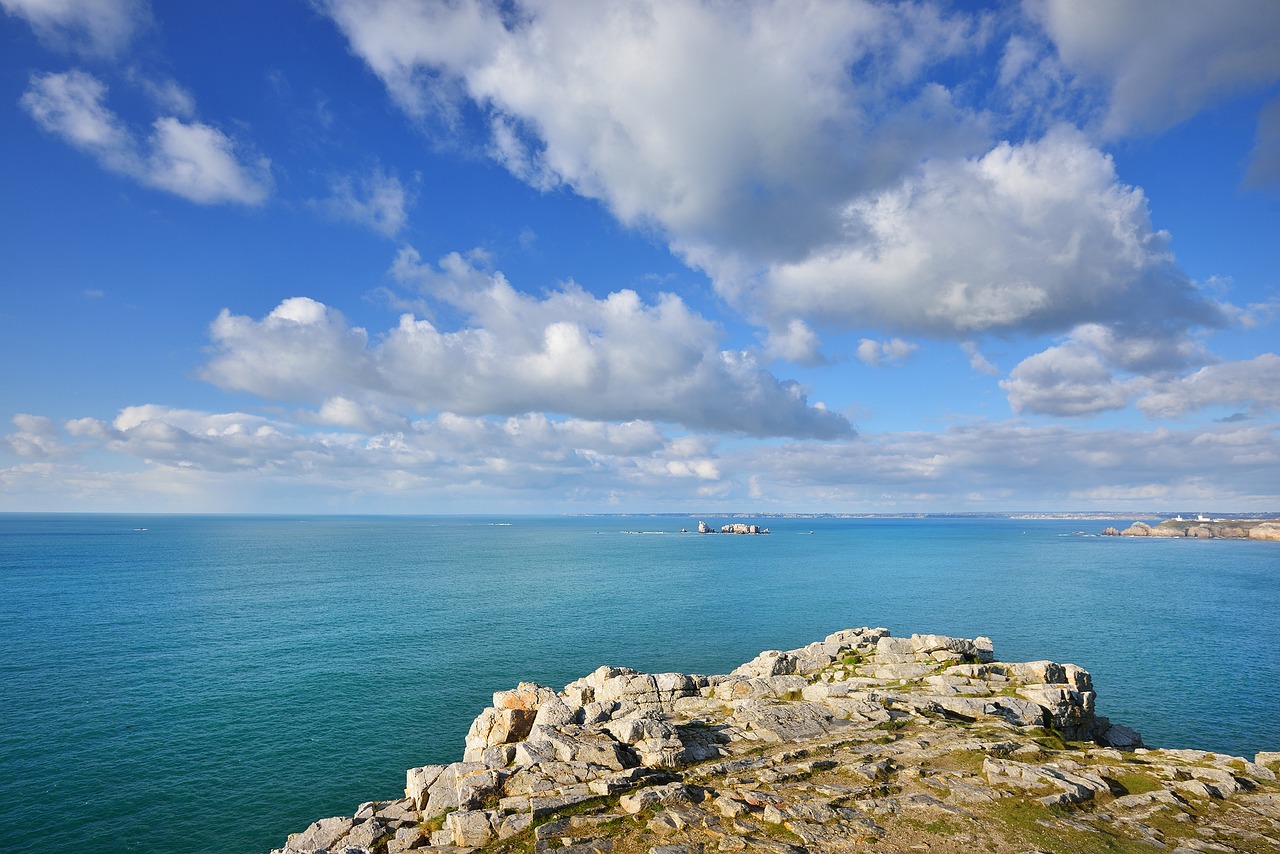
{"x":731,"y":528}
{"x":860,"y":740}
{"x":1204,"y":527}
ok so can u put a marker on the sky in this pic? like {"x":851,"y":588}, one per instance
{"x":402,"y":256}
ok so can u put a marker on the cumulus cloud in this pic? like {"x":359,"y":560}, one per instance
{"x":1071,"y":379}
{"x":189,"y":159}
{"x":877,"y":353}
{"x":1036,"y":236}
{"x":615,"y":358}
{"x":90,"y":27}
{"x":1160,"y":61}
{"x":719,"y":124}
{"x":1099,"y":368}
{"x":796,"y":342}
{"x":803,"y":155}
{"x":1253,"y":384}
{"x":376,"y":200}
{"x":36,"y":438}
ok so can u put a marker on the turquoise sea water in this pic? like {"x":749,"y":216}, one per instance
{"x":211,"y":684}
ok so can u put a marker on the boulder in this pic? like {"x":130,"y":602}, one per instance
{"x":771,"y":662}
{"x":418,"y":781}
{"x":319,"y":835}
{"x":496,"y":726}
{"x":891,"y":650}
{"x":526,"y":695}
{"x":470,"y":828}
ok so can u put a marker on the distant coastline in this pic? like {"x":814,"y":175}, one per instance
{"x":1048,"y":516}
{"x":1203,"y":527}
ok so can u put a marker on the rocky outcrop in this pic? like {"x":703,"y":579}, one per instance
{"x":1229,"y":529}
{"x":860,"y":737}
{"x":732,"y":528}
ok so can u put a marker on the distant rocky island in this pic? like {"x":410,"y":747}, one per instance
{"x":861,"y":739}
{"x":731,"y":528}
{"x":1204,"y":528}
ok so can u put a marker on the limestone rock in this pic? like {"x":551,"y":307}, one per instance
{"x":844,"y":741}
{"x":319,"y":836}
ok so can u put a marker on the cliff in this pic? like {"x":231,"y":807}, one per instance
{"x":1229,"y":529}
{"x":919,"y":743}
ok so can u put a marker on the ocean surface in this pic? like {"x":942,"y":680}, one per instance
{"x":211,"y":684}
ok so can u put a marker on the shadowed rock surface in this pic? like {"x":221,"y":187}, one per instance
{"x":861,"y":740}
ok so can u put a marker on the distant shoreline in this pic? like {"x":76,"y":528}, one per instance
{"x":1046,"y":516}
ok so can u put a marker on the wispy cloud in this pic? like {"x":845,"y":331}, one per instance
{"x":189,"y":159}
{"x":206,"y":460}
{"x":90,"y":27}
{"x":376,"y":200}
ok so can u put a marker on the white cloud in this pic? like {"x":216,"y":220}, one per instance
{"x":207,"y":461}
{"x":877,"y":353}
{"x":805,"y":154}
{"x":339,"y":411}
{"x":616,"y":358}
{"x":376,"y":200}
{"x":1035,"y":236}
{"x":1098,"y":368}
{"x":1253,"y":384}
{"x":1010,"y":466}
{"x":1161,"y":61}
{"x":167,"y":94}
{"x":1071,"y":379}
{"x":198,"y":162}
{"x":795,"y":342}
{"x":189,"y":159}
{"x":36,"y":438}
{"x":91,"y":27}
{"x":716,"y":123}
{"x":446,"y":454}
{"x":977,"y":361}
{"x":159,"y":457}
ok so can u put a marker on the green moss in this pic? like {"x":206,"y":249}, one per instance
{"x":1135,"y":783}
{"x":1031,"y":823}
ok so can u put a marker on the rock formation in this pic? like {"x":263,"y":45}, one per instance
{"x":732,"y":528}
{"x":1231,"y":529}
{"x":911,"y":743}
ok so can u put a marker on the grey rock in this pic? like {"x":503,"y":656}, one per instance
{"x":319,"y":835}
{"x":468,"y":828}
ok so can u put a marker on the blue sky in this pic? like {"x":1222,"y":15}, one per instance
{"x":429,"y":257}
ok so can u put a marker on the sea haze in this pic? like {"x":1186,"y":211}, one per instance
{"x":191,"y":684}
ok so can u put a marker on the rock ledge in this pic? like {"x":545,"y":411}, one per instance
{"x":919,"y":743}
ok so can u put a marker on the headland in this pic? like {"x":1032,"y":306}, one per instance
{"x":860,"y":740}
{"x":1204,"y":528}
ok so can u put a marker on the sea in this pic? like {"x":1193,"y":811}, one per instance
{"x":213,"y":683}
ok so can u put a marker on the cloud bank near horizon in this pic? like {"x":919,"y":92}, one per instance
{"x":861,"y":193}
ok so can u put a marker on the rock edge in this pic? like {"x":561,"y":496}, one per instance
{"x":860,"y":737}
